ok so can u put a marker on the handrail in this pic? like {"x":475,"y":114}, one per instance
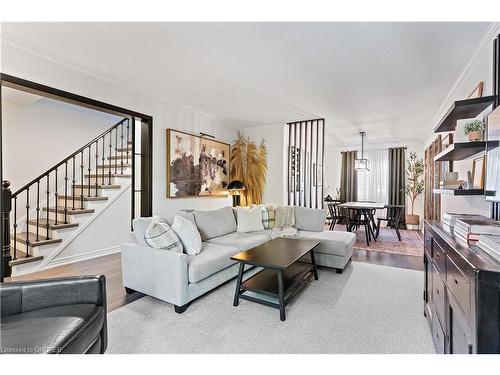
{"x":68,"y":158}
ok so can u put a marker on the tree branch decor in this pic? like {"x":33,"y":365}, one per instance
{"x":415,"y":186}
{"x":249,"y":165}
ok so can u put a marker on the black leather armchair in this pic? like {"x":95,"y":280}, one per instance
{"x":66,"y":315}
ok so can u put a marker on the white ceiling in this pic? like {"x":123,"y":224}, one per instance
{"x":388,"y":79}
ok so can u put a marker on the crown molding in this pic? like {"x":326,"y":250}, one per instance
{"x":482,"y":49}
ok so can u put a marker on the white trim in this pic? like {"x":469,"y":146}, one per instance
{"x":484,"y":47}
{"x":85,"y":256}
{"x":48,"y":260}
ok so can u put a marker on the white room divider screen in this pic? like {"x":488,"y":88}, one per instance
{"x":306,"y":155}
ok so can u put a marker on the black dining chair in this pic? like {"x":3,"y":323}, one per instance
{"x":334,"y":214}
{"x":393,"y":218}
{"x":360,"y":217}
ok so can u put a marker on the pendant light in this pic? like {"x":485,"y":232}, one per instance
{"x":362,"y":164}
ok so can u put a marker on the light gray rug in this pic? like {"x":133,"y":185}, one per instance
{"x":367,"y":309}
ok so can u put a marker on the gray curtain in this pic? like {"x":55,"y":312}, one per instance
{"x":397,"y":177}
{"x":348,"y":181}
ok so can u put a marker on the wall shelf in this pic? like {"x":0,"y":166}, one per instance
{"x":461,"y":151}
{"x":459,"y":191}
{"x":462,"y":109}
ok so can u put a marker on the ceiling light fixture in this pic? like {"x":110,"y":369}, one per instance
{"x":362,"y":164}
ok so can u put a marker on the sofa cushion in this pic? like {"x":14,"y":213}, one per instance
{"x":310,"y":219}
{"x":215,"y":223}
{"x":332,"y":242}
{"x":243,"y":241}
{"x":188,"y":233}
{"x":160,"y":235}
{"x":59,"y":329}
{"x":140,"y":225}
{"x":213,"y":258}
{"x":249,"y":219}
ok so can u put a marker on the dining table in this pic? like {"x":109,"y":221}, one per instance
{"x":365,"y":208}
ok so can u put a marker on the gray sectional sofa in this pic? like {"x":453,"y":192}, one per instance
{"x":178,"y":278}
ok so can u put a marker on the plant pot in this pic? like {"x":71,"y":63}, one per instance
{"x":476,"y":136}
{"x":412,"y":219}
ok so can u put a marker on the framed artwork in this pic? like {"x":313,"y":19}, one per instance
{"x":478,"y":172}
{"x":477,"y":92}
{"x":196,"y":166}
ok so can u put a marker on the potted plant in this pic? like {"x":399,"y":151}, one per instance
{"x":414,"y":186}
{"x":474,"y":129}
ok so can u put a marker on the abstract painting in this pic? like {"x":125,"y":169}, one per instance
{"x":196,"y":166}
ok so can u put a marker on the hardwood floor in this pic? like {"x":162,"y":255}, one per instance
{"x":111,"y":267}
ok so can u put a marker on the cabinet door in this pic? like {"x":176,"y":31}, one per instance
{"x":428,"y":289}
{"x":438,"y":336}
{"x":459,"y":342}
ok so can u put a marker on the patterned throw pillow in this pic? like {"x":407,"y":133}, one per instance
{"x":159,"y":235}
{"x":268,"y":216}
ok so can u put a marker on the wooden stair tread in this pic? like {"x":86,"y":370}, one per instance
{"x":114,"y":166}
{"x":112,"y":175}
{"x":21,"y":258}
{"x":52,"y":224}
{"x":85,"y":197}
{"x":76,"y":211}
{"x":125,"y":149}
{"x":21,"y":237}
{"x":98,"y":186}
{"x":118,"y":157}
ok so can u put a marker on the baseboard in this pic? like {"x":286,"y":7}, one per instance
{"x":85,"y":256}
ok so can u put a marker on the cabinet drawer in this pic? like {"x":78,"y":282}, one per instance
{"x":438,"y":296}
{"x":438,"y":336}
{"x":459,"y":286}
{"x":439,"y":257}
{"x":428,"y":244}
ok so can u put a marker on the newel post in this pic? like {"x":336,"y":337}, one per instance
{"x":6,"y":208}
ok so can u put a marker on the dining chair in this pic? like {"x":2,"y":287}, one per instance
{"x":360,"y":217}
{"x":334,"y":214}
{"x":393,"y":218}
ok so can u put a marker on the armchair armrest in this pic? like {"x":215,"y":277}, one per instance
{"x":24,"y":296}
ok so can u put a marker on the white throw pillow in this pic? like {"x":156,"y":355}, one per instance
{"x":188,"y":234}
{"x":159,"y":235}
{"x":249,"y":219}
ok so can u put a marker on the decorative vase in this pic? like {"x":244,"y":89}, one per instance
{"x":412,"y":219}
{"x":476,"y":136}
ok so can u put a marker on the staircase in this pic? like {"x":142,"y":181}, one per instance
{"x":52,"y":209}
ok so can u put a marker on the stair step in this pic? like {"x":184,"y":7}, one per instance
{"x":85,"y":198}
{"x":129,"y":149}
{"x":76,"y":211}
{"x":117,"y":166}
{"x":92,"y":186}
{"x":52,"y":224}
{"x":120,"y":157}
{"x":21,"y":258}
{"x":21,"y":237}
{"x":112,"y":175}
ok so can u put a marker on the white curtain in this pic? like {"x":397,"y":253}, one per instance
{"x":373,"y":184}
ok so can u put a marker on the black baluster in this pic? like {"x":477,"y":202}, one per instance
{"x":57,"y":200}
{"x":110,"y":153}
{"x":47,"y":204}
{"x":89,"y":169}
{"x":121,"y":147}
{"x":73,"y":182}
{"x":6,"y":255}
{"x":27,"y":221}
{"x":116,"y":149}
{"x":81,"y":179}
{"x":126,"y":147}
{"x":66,"y":193}
{"x":96,"y":165}
{"x":15,"y":229}
{"x":103,"y":159}
{"x":37,"y":209}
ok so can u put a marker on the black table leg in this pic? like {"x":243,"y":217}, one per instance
{"x":238,"y":284}
{"x":313,"y":261}
{"x":281,"y":295}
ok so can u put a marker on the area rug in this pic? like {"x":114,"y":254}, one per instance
{"x":411,"y":241}
{"x":367,"y":309}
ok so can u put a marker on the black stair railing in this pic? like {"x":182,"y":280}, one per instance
{"x":31,"y":191}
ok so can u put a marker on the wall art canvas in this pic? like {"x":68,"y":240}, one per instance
{"x":196,"y":166}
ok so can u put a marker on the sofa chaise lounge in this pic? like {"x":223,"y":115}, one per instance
{"x":178,"y":278}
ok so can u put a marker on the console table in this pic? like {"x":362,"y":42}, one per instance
{"x":461,"y":294}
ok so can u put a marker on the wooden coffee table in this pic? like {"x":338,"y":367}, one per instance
{"x":283,"y":274}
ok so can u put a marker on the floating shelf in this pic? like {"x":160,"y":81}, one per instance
{"x":459,"y":191}
{"x":462,"y":109}
{"x":461,"y":151}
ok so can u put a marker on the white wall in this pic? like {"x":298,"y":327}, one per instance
{"x":51,"y":71}
{"x":38,"y":135}
{"x":273,"y":135}
{"x":480,"y":68}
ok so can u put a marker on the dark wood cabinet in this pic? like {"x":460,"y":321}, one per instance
{"x":461,"y":294}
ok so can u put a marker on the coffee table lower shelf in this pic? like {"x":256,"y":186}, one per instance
{"x":266,"y":283}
